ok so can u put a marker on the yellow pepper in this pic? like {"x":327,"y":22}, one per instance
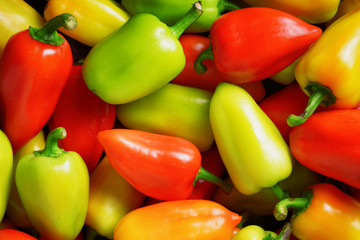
{"x":96,"y":18}
{"x":15,"y":210}
{"x":286,"y":76}
{"x":254,"y":232}
{"x":16,"y":16}
{"x":314,"y":12}
{"x":329,"y":71}
{"x":345,"y":7}
{"x":111,"y":197}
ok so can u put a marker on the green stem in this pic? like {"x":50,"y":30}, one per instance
{"x":51,"y":146}
{"x":199,"y":67}
{"x":279,"y":192}
{"x":208,"y":176}
{"x":298,"y":204}
{"x":228,"y":6}
{"x":48,"y":33}
{"x":285,"y":232}
{"x":318,"y":94}
{"x":191,"y":16}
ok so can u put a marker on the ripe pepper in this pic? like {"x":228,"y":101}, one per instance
{"x":34,"y":68}
{"x":6,"y":170}
{"x":175,"y":220}
{"x":345,"y":7}
{"x":16,"y":16}
{"x":96,"y":18}
{"x":328,"y":144}
{"x":252,"y":148}
{"x":53,"y":186}
{"x":323,"y":212}
{"x":13,"y":234}
{"x":255,"y":43}
{"x":321,"y":12}
{"x":186,"y":108}
{"x":91,"y":113}
{"x":336,"y":87}
{"x":263,"y":202}
{"x":160,"y":166}
{"x":193,"y":45}
{"x":15,"y":210}
{"x":111,"y":197}
{"x":170,"y":11}
{"x":138,"y":58}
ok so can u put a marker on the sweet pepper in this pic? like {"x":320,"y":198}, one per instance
{"x":138,"y":58}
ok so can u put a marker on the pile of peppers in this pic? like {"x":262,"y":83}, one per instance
{"x":179,"y":120}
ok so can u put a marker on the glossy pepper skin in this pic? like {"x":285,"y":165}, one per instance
{"x":193,"y":45}
{"x":83,"y":115}
{"x":6,"y":170}
{"x":323,"y":206}
{"x":15,"y":210}
{"x":255,"y":43}
{"x":138,"y":58}
{"x":186,"y":108}
{"x":111,"y":197}
{"x":13,"y":234}
{"x":327,"y":143}
{"x":170,"y":11}
{"x":252,"y":148}
{"x":96,"y":18}
{"x":336,"y":87}
{"x":53,"y":186}
{"x":160,"y":166}
{"x":32,"y":76}
{"x":314,"y":13}
{"x":175,"y":220}
{"x":16,"y":16}
{"x":345,"y":7}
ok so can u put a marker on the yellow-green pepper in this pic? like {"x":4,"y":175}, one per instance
{"x":345,"y":7}
{"x":15,"y":16}
{"x":286,"y":76}
{"x":253,"y":151}
{"x":96,"y":18}
{"x":111,"y":197}
{"x":15,"y":210}
{"x":254,"y":232}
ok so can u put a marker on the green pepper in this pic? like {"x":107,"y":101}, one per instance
{"x":53,"y":186}
{"x":138,"y":58}
{"x":6,"y":170}
{"x":253,"y":151}
{"x":170,"y":11}
{"x":255,"y":232}
{"x":186,"y":108}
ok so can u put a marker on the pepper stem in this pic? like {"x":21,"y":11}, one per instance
{"x":51,"y":146}
{"x":199,"y":67}
{"x":279,"y":191}
{"x":299,"y":204}
{"x":48,"y":33}
{"x":285,"y":232}
{"x":208,"y":176}
{"x":318,"y":94}
{"x":191,"y":16}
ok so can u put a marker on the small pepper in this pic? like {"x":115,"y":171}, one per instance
{"x":335,"y":87}
{"x":285,"y":76}
{"x":175,"y":220}
{"x":171,"y":11}
{"x":255,"y":232}
{"x":53,"y":186}
{"x":96,"y":18}
{"x":324,"y":212}
{"x":138,"y":58}
{"x":254,"y":153}
{"x":160,"y":166}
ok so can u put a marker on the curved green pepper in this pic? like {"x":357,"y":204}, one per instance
{"x":171,"y":11}
{"x":254,"y":153}
{"x":6,"y":170}
{"x":138,"y":58}
{"x":53,"y":186}
{"x":186,"y":108}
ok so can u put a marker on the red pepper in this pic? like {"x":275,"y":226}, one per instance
{"x":34,"y":68}
{"x":279,"y":105}
{"x":83,"y":114}
{"x":328,"y":143}
{"x":254,"y":43}
{"x":13,"y":234}
{"x":160,"y":166}
{"x":193,"y":45}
